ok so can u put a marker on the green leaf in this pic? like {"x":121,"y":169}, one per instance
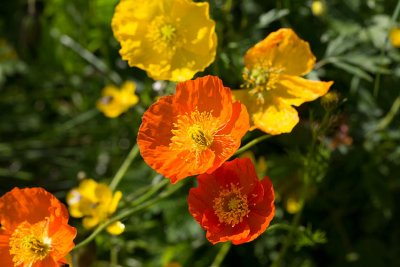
{"x":271,"y":16}
{"x":353,"y":70}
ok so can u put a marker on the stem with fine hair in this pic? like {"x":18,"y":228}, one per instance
{"x":252,"y":143}
{"x":128,"y":213}
{"x":124,"y":167}
{"x":221,"y":254}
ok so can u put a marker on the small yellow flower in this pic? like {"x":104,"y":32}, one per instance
{"x":170,"y":40}
{"x":292,"y":205}
{"x":394,"y":37}
{"x":273,"y":84}
{"x":115,"y":101}
{"x":95,"y":202}
{"x":318,"y":8}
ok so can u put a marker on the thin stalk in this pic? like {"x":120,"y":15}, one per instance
{"x":221,"y":254}
{"x":252,"y":143}
{"x":124,"y":167}
{"x":152,"y":190}
{"x":294,"y":225}
{"x":307,"y":180}
{"x":128,"y":213}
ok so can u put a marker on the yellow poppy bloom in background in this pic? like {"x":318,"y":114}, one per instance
{"x":318,"y":8}
{"x":394,"y":37}
{"x":273,"y":84}
{"x":95,"y":202}
{"x":169,"y":39}
{"x":115,"y":101}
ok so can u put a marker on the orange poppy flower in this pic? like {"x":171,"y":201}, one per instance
{"x":231,"y":204}
{"x":193,"y":131}
{"x":34,"y":229}
{"x":273,"y":84}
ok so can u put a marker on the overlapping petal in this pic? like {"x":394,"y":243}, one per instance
{"x":115,"y":101}
{"x":95,"y":202}
{"x":231,"y":204}
{"x":32,"y":217}
{"x":170,"y":40}
{"x":273,"y":84}
{"x":194,"y":131}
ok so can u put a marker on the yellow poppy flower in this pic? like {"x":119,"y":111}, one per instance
{"x":292,"y":205}
{"x":115,"y":101}
{"x":394,"y":37}
{"x":95,"y":202}
{"x":272,"y":83}
{"x":170,"y":40}
{"x":318,"y":8}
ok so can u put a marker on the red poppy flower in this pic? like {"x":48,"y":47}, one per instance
{"x":34,"y":229}
{"x":231,"y":204}
{"x":193,"y":131}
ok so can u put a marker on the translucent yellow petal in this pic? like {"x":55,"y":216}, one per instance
{"x":295,"y":90}
{"x":103,"y":193}
{"x":394,"y":37}
{"x":114,"y":203}
{"x":74,"y":211}
{"x":90,"y":222}
{"x":153,"y":32}
{"x":282,"y":50}
{"x":128,"y":87}
{"x":87,"y":189}
{"x":275,"y":117}
{"x":116,"y":228}
{"x":110,"y":90}
{"x":249,"y":101}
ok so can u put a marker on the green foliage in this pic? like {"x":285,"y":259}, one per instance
{"x":342,"y":165}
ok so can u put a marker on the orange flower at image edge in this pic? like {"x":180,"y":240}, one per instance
{"x":231,"y":204}
{"x":193,"y":131}
{"x":273,"y":84}
{"x":34,"y":229}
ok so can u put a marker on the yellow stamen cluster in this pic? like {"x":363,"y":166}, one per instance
{"x":162,"y":32}
{"x":29,"y":245}
{"x":260,"y":79}
{"x":231,"y":205}
{"x":202,"y":139}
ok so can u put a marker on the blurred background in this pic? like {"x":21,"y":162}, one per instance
{"x":57,"y":55}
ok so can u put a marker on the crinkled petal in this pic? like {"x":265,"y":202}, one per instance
{"x":206,"y":94}
{"x":16,"y":207}
{"x":295,"y":90}
{"x":282,"y":50}
{"x":275,"y":117}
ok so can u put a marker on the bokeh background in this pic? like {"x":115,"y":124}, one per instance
{"x":57,"y":55}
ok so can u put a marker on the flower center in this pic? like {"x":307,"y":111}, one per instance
{"x":167,"y":32}
{"x":105,"y":100}
{"x":162,"y":31}
{"x":202,"y":139}
{"x":194,"y":132}
{"x":261,"y":79}
{"x":29,"y":244}
{"x":231,"y":205}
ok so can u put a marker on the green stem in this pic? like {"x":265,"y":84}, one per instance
{"x":124,"y":167}
{"x":293,"y":227}
{"x":221,"y":254}
{"x":252,"y":143}
{"x":307,"y":179}
{"x":152,"y":190}
{"x":128,"y":213}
